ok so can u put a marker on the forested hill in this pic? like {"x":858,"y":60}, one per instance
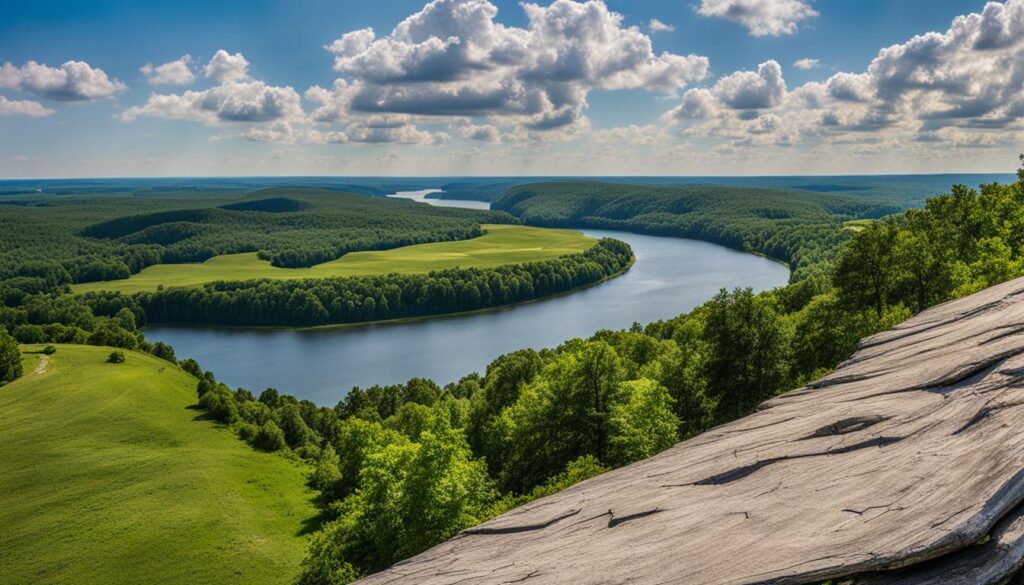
{"x":104,"y":236}
{"x":804,"y":229}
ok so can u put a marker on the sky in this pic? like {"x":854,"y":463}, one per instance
{"x":113,"y":88}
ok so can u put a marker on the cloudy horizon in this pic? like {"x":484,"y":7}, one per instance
{"x":475,"y":87}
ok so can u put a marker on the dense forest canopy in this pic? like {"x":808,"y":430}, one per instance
{"x":84,"y":238}
{"x":802,"y":228}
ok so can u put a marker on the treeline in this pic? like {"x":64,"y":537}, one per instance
{"x":800,"y":228}
{"x":324,"y":301}
{"x":958,"y":244}
{"x":71,"y":239}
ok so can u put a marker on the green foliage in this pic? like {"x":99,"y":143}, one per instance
{"x":10,"y":358}
{"x":49,"y":350}
{"x":270,"y":437}
{"x":372,"y":298}
{"x":115,"y":357}
{"x":802,"y":228}
{"x":641,"y":423}
{"x":85,"y":238}
{"x":747,"y":355}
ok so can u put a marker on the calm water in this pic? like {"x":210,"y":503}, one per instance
{"x":421,"y":196}
{"x":671,"y":276}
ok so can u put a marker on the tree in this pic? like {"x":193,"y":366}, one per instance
{"x":747,"y":357}
{"x":641,"y":423}
{"x":561,"y":415}
{"x":270,"y":438}
{"x":10,"y":358}
{"x":164,"y":351}
{"x":864,"y":273}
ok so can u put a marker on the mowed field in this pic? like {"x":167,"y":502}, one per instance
{"x":501,"y":244}
{"x":107,"y":477}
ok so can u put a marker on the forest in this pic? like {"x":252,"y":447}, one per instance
{"x":356,"y":299}
{"x":397,"y":469}
{"x":801,"y":228}
{"x":83,"y":238}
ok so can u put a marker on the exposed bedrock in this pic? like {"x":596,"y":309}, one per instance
{"x":905,"y":465}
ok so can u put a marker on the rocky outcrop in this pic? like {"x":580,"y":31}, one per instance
{"x":906,"y":465}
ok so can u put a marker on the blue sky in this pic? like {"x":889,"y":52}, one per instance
{"x":494,"y":88}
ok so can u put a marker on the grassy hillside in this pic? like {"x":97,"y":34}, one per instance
{"x":501,"y":244}
{"x":107,"y":476}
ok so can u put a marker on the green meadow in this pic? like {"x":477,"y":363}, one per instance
{"x":107,"y":476}
{"x":500,"y":244}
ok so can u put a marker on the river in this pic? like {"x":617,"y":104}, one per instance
{"x":670,"y":276}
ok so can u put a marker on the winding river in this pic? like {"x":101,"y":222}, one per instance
{"x":671,"y":276}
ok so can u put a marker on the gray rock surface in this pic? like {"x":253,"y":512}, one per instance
{"x":905,"y":465}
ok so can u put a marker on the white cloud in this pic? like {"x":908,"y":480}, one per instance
{"x":961,"y":88}
{"x":749,"y":90}
{"x":452,"y":59}
{"x":761,"y":17}
{"x":72,"y":81}
{"x":807,"y":64}
{"x":23,"y":108}
{"x":225,"y":67}
{"x":657,"y":26}
{"x":178,"y":72}
{"x":236,"y":98}
{"x":283,"y":131}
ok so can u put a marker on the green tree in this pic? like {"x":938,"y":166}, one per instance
{"x":10,"y":358}
{"x":270,"y":437}
{"x":865,"y":271}
{"x":641,"y":423}
{"x":561,"y":415}
{"x":747,"y":357}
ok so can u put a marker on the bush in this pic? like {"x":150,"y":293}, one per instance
{"x":270,"y":437}
{"x":115,"y":357}
{"x":49,"y":350}
{"x":164,"y":352}
{"x":10,"y":358}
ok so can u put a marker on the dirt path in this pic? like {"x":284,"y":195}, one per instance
{"x":41,"y":367}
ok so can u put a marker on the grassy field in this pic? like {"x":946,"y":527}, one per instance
{"x":107,"y":477}
{"x":501,"y":244}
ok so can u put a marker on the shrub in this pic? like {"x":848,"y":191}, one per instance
{"x":49,"y":350}
{"x":115,"y":357}
{"x":220,"y":405}
{"x":270,"y":437}
{"x":10,"y":358}
{"x":164,"y":352}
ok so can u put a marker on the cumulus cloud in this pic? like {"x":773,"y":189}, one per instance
{"x":750,"y":90}
{"x":72,"y":81}
{"x":178,"y":72}
{"x":236,"y":98}
{"x":23,"y":108}
{"x":807,"y":64}
{"x":453,"y":59}
{"x":761,"y":17}
{"x":225,"y":67}
{"x":657,"y":26}
{"x":963,"y":88}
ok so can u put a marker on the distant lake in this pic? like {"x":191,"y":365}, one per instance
{"x":671,"y":276}
{"x":421,"y":196}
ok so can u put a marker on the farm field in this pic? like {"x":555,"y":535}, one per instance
{"x":108,"y":477}
{"x":501,"y":244}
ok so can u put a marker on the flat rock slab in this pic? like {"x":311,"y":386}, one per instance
{"x":905,"y":465}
